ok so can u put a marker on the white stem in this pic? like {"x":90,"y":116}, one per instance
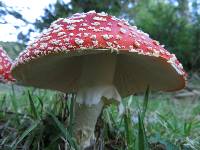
{"x":96,"y":81}
{"x":85,"y":121}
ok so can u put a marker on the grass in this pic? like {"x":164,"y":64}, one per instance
{"x":40,"y":119}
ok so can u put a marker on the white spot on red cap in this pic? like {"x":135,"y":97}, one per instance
{"x":118,"y":37}
{"x":96,"y":23}
{"x":109,"y":44}
{"x":156,"y":42}
{"x":70,"y":21}
{"x":99,"y":18}
{"x":57,"y":30}
{"x":86,"y":34}
{"x":66,"y":40}
{"x":120,"y":24}
{"x":71,"y":34}
{"x":61,"y":34}
{"x":95,"y":42}
{"x":97,"y":30}
{"x":109,"y":24}
{"x":122,"y":30}
{"x":91,"y":28}
{"x":103,"y":14}
{"x":78,"y":41}
{"x":71,"y":27}
{"x":93,"y":37}
{"x":84,"y":24}
{"x":137,"y":44}
{"x":43,"y":45}
{"x":46,"y":38}
{"x":78,"y":35}
{"x":55,"y":42}
{"x":81,"y":29}
{"x":91,"y":12}
{"x":107,"y":37}
{"x":156,"y":53}
{"x":107,"y":29}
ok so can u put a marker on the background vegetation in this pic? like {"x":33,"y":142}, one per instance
{"x":40,"y":119}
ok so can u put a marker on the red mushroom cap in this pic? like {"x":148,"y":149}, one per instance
{"x":5,"y":67}
{"x":50,"y":62}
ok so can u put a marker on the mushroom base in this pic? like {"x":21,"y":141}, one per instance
{"x":86,"y":115}
{"x":85,"y":121}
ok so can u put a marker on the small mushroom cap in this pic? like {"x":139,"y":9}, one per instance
{"x":54,"y":59}
{"x":5,"y":67}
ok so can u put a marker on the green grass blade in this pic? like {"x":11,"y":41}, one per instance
{"x":140,"y":134}
{"x":63,"y":130}
{"x":13,"y":90}
{"x":41,"y":103}
{"x":25,"y":133}
{"x":187,"y":128}
{"x":3,"y":101}
{"x":108,"y":119}
{"x":32,"y":106}
{"x":71,"y":115}
{"x":53,"y":143}
{"x":58,"y":124}
{"x":145,"y":103}
{"x":14,"y":104}
{"x":142,"y":138}
{"x":167,"y":123}
{"x":128,"y":129}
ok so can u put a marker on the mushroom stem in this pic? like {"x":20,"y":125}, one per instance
{"x":85,"y":121}
{"x":96,"y":81}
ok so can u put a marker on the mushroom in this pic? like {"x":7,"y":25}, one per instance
{"x":5,"y":67}
{"x":102,"y":59}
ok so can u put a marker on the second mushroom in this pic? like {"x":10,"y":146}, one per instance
{"x":5,"y":67}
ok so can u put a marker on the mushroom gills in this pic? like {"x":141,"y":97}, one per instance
{"x":95,"y":90}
